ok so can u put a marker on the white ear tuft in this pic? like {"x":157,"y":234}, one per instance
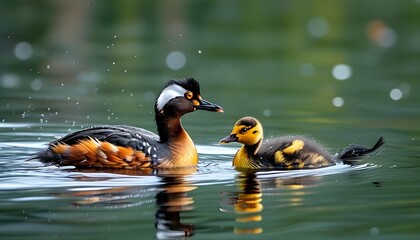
{"x":168,"y":94}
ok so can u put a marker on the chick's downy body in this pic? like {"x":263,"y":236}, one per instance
{"x":288,"y":152}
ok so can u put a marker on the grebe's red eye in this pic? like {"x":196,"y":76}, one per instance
{"x":189,"y":95}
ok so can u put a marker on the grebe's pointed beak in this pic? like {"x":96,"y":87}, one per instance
{"x":229,"y":138}
{"x":208,"y":106}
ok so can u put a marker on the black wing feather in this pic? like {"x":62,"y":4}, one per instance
{"x":119,"y":135}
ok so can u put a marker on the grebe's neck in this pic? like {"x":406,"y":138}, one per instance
{"x":169,"y":128}
{"x":182,"y":151}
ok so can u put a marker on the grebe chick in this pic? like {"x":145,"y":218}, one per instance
{"x":285,"y":152}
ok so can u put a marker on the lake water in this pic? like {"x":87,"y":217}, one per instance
{"x":338,"y":72}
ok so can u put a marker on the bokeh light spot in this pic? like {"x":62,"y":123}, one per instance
{"x":341,"y":72}
{"x":380,"y":34}
{"x":307,"y":69}
{"x":395,"y":94}
{"x":405,"y":89}
{"x":9,"y":81}
{"x":338,"y":102}
{"x":318,"y":27}
{"x":267,"y":112}
{"x":388,"y":39}
{"x":176,"y":60}
{"x":374,"y":231}
{"x":36,"y":84}
{"x":23,"y":51}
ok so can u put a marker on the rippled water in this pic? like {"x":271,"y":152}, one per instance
{"x":377,"y":199}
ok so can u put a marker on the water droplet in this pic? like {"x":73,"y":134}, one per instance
{"x":48,"y":66}
{"x":23,"y":115}
{"x":199,"y":51}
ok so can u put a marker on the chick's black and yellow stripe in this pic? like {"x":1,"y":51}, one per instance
{"x":291,"y":153}
{"x":285,"y":152}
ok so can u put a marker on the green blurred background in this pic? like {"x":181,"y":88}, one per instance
{"x":337,"y":71}
{"x":262,"y":58}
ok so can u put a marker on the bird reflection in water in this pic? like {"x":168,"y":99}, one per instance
{"x":171,"y":200}
{"x":248,"y":205}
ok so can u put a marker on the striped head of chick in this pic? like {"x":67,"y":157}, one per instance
{"x":247,"y":131}
{"x":179,"y":97}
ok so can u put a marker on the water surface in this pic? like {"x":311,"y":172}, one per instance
{"x":339,"y":73}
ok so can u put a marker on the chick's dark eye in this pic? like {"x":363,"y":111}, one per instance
{"x":243,"y":130}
